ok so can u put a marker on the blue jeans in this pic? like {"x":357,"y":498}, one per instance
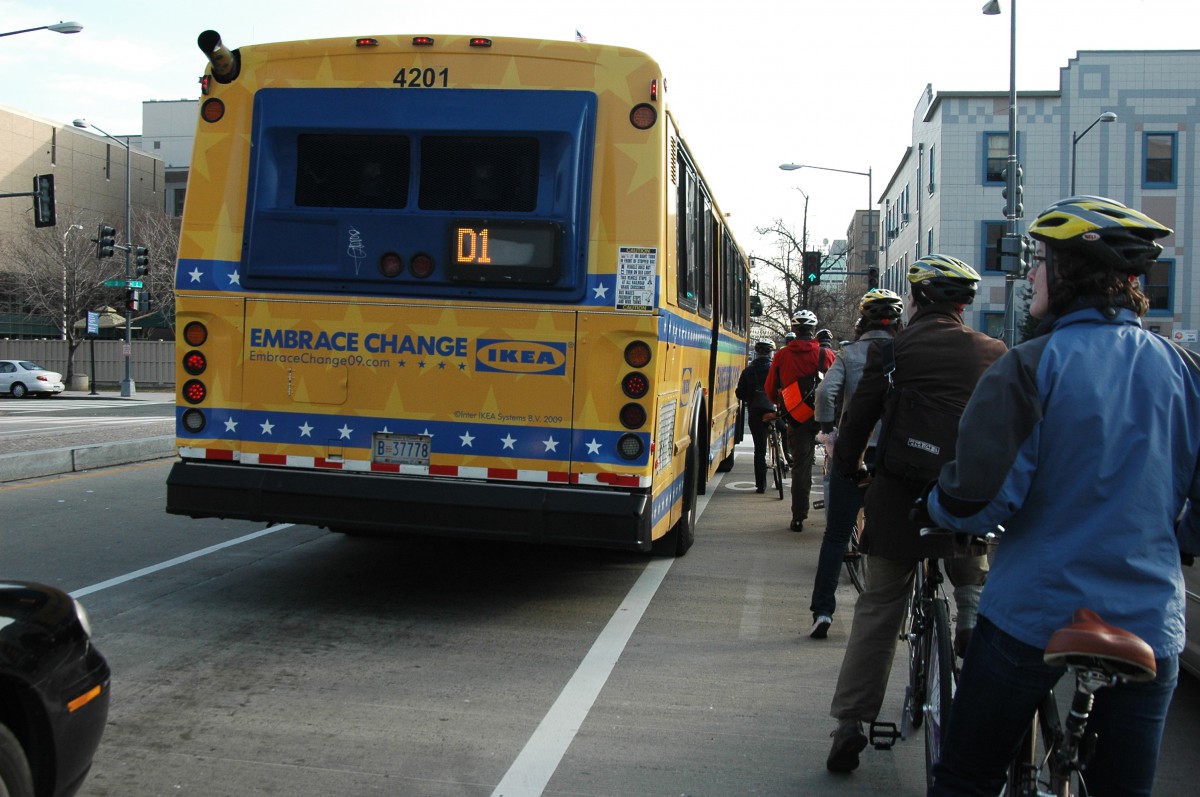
{"x":842,"y":502}
{"x":1001,"y":684}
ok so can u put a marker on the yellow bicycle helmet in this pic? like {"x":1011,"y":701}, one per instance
{"x":942,"y":278}
{"x":880,"y":304}
{"x":1103,"y":230}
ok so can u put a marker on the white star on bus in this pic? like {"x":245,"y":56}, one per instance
{"x":195,"y":274}
{"x":466,"y":439}
{"x":508,"y":441}
{"x":267,"y":426}
{"x":551,"y":444}
{"x":306,"y":430}
{"x":235,"y":279}
{"x":345,"y":432}
{"x":230,"y":425}
{"x":601,"y":291}
{"x":593,"y":447}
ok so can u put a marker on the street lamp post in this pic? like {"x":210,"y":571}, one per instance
{"x":64,"y":279}
{"x":1012,"y":208}
{"x":870,"y":258}
{"x":128,"y":388}
{"x":1107,"y":116}
{"x":58,"y":27}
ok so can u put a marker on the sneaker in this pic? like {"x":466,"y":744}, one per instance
{"x":797,"y":525}
{"x":820,"y":626}
{"x":848,"y":741}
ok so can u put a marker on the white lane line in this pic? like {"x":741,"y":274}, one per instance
{"x":537,"y":761}
{"x":145,"y":571}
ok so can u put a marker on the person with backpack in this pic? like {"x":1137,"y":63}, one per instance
{"x":750,"y":389}
{"x":880,"y":318}
{"x":800,"y":366}
{"x":1082,"y":443}
{"x":918,"y":385}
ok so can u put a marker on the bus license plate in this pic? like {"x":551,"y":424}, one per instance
{"x":400,"y":449}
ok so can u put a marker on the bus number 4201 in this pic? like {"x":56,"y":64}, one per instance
{"x":428,"y":78}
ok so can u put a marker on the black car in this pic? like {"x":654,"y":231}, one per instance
{"x":53,"y":692}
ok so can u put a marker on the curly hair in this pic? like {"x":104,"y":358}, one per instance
{"x":1076,"y":279}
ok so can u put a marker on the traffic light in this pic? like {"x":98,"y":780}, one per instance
{"x":106,"y":239}
{"x":133,"y":300}
{"x":1015,"y":251}
{"x":43,"y":200}
{"x":1017,"y":189}
{"x":141,"y":260}
{"x":872,"y":277}
{"x":812,"y":268}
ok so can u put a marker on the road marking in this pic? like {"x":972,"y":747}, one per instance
{"x":538,"y":760}
{"x":145,"y":571}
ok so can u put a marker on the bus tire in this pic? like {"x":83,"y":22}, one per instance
{"x":679,"y":539}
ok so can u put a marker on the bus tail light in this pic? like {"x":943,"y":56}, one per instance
{"x":422,"y":41}
{"x":637,"y":354}
{"x":635,"y":385}
{"x":630,"y":447}
{"x":479,"y":41}
{"x":194,"y":362}
{"x":421,"y":265}
{"x":194,"y":391}
{"x":213,"y":110}
{"x":195,"y":333}
{"x":391,"y":264}
{"x":633,"y":416}
{"x":193,"y":420}
{"x":366,"y":41}
{"x":643,"y":116}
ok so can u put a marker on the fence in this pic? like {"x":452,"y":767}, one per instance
{"x":152,"y":364}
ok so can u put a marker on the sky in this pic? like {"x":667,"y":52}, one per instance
{"x":752,"y":83}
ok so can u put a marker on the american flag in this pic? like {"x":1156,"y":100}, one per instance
{"x":579,"y":37}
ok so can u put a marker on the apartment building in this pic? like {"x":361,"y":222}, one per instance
{"x":946,"y":193}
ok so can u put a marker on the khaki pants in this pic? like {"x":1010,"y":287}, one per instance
{"x":878,"y":615}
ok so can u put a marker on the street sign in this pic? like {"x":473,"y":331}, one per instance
{"x":124,"y":284}
{"x":134,"y":283}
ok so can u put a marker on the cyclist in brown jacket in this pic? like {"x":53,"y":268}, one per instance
{"x":938,"y":355}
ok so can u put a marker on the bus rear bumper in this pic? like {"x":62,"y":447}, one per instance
{"x":383,"y":505}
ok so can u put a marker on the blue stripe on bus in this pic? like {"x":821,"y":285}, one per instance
{"x":517,"y":441}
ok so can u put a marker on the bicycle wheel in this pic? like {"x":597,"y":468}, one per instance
{"x":939,"y":681}
{"x":854,"y":556}
{"x":913,"y":633}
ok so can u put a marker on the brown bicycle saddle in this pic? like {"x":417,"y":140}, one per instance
{"x":1088,"y":640}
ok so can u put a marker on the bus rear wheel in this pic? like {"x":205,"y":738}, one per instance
{"x":679,"y":539}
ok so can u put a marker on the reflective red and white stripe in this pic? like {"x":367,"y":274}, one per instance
{"x":450,"y":471}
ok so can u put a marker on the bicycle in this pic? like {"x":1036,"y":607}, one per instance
{"x":854,"y":558}
{"x":1054,"y":755}
{"x":931,"y":666}
{"x":777,"y":461}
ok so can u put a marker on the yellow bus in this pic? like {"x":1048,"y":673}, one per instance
{"x":452,"y":285}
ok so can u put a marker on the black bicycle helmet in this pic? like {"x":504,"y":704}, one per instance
{"x":880,"y":304}
{"x":942,"y":278}
{"x":1103,"y":230}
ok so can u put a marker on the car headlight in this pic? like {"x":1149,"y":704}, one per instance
{"x":82,"y":614}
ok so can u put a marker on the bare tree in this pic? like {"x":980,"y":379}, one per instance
{"x":782,"y":290}
{"x":54,"y":272}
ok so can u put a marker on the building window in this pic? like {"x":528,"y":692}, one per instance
{"x":932,"y":167}
{"x":995,"y":154}
{"x":1158,"y":169}
{"x":1157,"y":287}
{"x":929,"y":241}
{"x":177,"y":203}
{"x":993,"y":231}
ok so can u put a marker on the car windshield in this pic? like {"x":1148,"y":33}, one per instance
{"x":28,"y":366}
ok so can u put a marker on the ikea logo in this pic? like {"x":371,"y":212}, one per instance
{"x":521,"y":357}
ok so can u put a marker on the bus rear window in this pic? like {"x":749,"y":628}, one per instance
{"x":479,"y":173}
{"x":352,"y":171}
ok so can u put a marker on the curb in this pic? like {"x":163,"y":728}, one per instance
{"x":72,"y":459}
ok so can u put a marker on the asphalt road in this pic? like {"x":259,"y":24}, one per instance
{"x":289,"y":660}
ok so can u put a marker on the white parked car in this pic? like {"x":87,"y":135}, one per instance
{"x":22,"y":377}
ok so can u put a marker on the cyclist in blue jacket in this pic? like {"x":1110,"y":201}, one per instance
{"x":1083,"y":444}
